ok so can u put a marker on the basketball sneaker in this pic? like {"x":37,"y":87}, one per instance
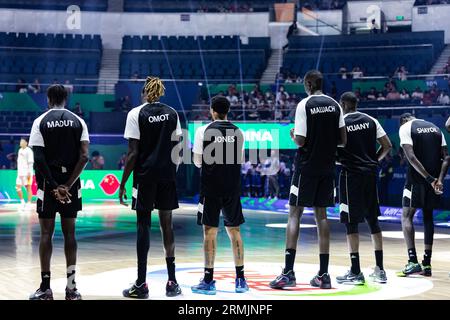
{"x":241,"y":285}
{"x":378,"y":275}
{"x":72,"y":294}
{"x":284,"y":280}
{"x":136,"y":292}
{"x":42,"y":295}
{"x":172,"y":289}
{"x":351,"y":278}
{"x":322,"y":282}
{"x":410,"y":269}
{"x":205,"y":288}
{"x":426,"y":270}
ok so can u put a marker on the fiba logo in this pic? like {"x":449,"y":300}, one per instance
{"x":73,"y":21}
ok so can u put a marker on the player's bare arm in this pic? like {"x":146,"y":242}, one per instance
{"x":43,"y":168}
{"x":62,"y":191}
{"x":412,"y":159}
{"x":385,"y":147}
{"x":298,"y":140}
{"x":342,"y":136}
{"x":439,"y":186}
{"x":133,"y":146}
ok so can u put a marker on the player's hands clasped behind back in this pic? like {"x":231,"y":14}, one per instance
{"x":62,"y":194}
{"x":438,"y":187}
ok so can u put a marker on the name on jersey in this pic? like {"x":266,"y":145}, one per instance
{"x":427,"y":130}
{"x":226,"y":139}
{"x":59,"y":123}
{"x":327,"y":109}
{"x":358,"y":126}
{"x":159,"y":118}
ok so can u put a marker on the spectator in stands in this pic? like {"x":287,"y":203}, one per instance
{"x":281,"y":94}
{"x":380,"y":97}
{"x":434,"y":92}
{"x":427,"y":99}
{"x":401,"y":73}
{"x":358,"y":93}
{"x":20,"y":86}
{"x":357,"y":73}
{"x":293,"y":29}
{"x":393,"y":95}
{"x":374,"y":27}
{"x":77,"y":110}
{"x":68,"y":86}
{"x":372,"y":95}
{"x":97,"y":161}
{"x":35,"y":87}
{"x":417,"y":94}
{"x":125,"y":104}
{"x":404,"y":95}
{"x":292,"y":78}
{"x":256,"y":91}
{"x":232,"y":97}
{"x":122,"y":160}
{"x":343,"y":72}
{"x":443,"y":99}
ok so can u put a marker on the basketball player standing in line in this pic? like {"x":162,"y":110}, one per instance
{"x":218,"y":151}
{"x":60,"y":142}
{"x":149,"y":130}
{"x":358,"y":194}
{"x":425,"y":148}
{"x":319,"y":129}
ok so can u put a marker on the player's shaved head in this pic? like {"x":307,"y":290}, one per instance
{"x":349,"y":101}
{"x":404,"y":118}
{"x":313,"y":81}
{"x":56,"y":95}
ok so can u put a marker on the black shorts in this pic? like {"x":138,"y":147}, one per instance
{"x":209,"y":209}
{"x":358,"y":197}
{"x":48,"y":206}
{"x":420,"y":196}
{"x":161,"y":195}
{"x":309,"y":191}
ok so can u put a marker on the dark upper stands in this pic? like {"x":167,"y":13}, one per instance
{"x":189,"y":57}
{"x":48,"y":57}
{"x":85,"y":5}
{"x":376,"y":54}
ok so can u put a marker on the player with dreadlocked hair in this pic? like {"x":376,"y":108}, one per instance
{"x":149,"y":130}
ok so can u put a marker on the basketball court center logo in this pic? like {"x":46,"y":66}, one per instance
{"x":258,"y":276}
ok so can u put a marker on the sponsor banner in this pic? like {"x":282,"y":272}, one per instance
{"x":95,"y":185}
{"x":258,"y":135}
{"x":388,"y":214}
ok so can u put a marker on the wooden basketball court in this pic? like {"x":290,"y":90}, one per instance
{"x":107,"y":259}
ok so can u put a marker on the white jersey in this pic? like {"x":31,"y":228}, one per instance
{"x":25,"y":161}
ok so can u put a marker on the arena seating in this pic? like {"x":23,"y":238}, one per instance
{"x":85,"y":5}
{"x":17,"y":121}
{"x":375,"y":54}
{"x":190,"y":58}
{"x":67,"y":57}
{"x":197,"y":5}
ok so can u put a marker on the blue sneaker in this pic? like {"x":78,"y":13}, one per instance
{"x":205,"y":288}
{"x":241,"y":285}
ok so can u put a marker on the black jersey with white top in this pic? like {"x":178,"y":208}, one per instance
{"x":318,"y":119}
{"x":221,"y":145}
{"x":427,"y":141}
{"x":60,"y":132}
{"x":156,"y":126}
{"x":360,"y":153}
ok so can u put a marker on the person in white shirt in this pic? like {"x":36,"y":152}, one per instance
{"x":25,"y":161}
